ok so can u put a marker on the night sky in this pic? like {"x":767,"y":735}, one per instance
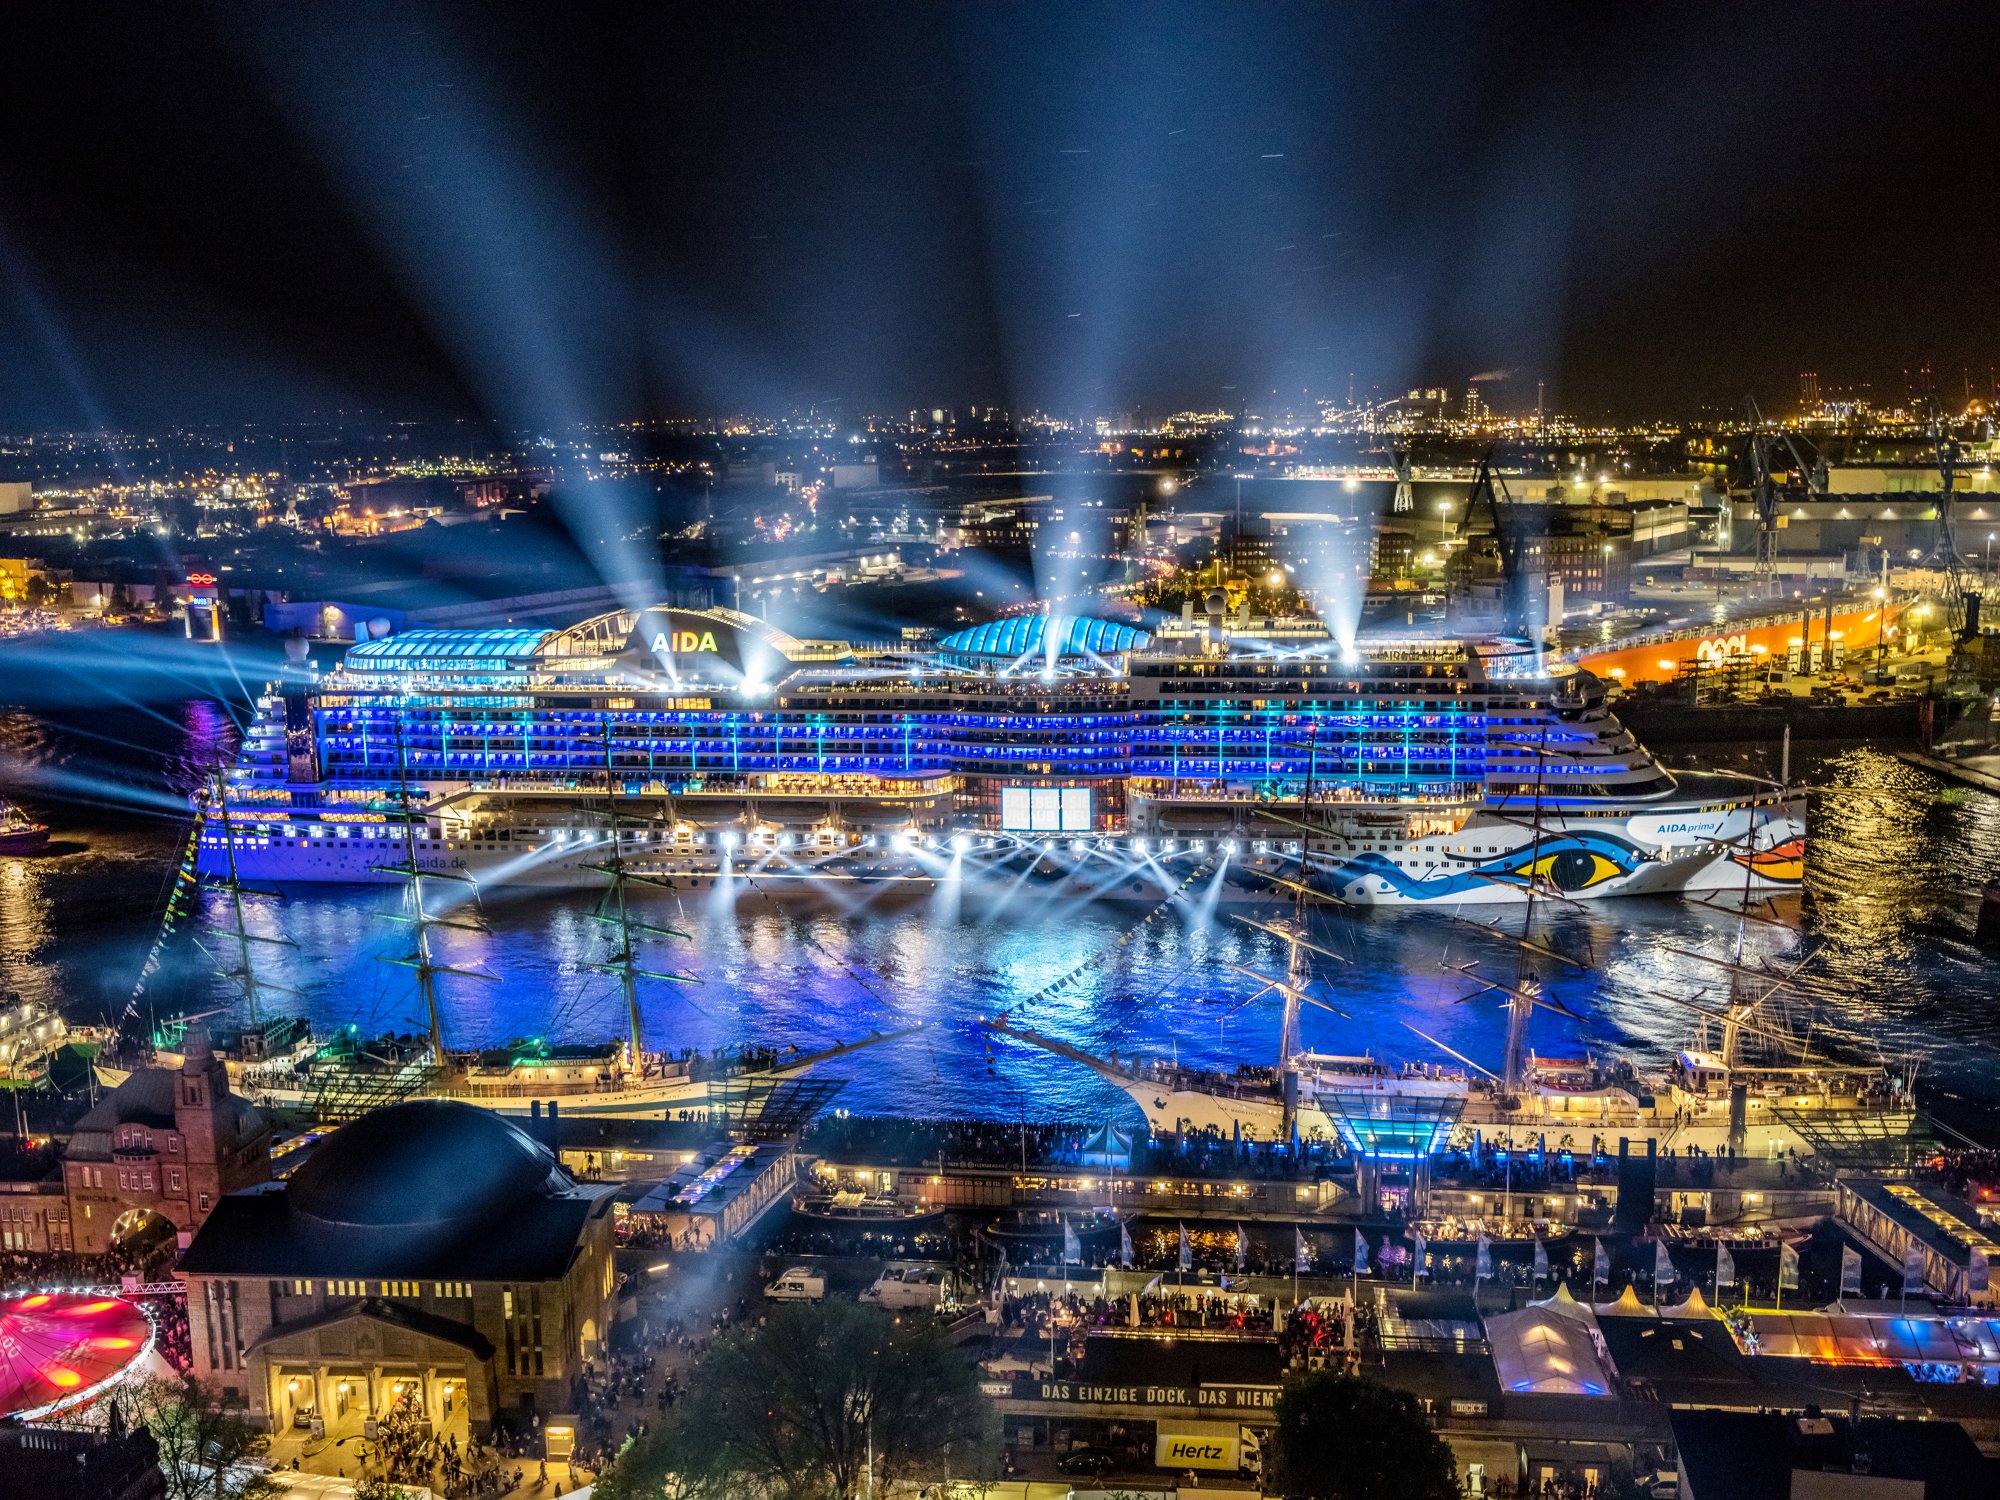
{"x":562,"y":214}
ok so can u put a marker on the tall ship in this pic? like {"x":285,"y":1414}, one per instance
{"x":1119,"y":761}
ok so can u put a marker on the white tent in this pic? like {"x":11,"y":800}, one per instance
{"x":1628,"y":1305}
{"x":1550,"y":1348}
{"x":1696,"y":1306}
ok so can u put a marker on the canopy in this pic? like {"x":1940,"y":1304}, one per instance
{"x":1696,"y":1306}
{"x":1110,"y":1147}
{"x":1560,"y":1301}
{"x":1549,"y":1349}
{"x":1847,"y":1339}
{"x":1628,"y":1305}
{"x":61,"y":1348}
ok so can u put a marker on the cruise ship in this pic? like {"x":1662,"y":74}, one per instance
{"x":1121,"y":762}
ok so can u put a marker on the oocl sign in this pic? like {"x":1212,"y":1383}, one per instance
{"x":1721,"y":648}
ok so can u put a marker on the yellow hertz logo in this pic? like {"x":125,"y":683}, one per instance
{"x":680,"y":642}
{"x":1186,"y":1450}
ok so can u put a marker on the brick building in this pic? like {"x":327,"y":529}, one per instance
{"x":166,"y":1141}
{"x":431,"y":1253}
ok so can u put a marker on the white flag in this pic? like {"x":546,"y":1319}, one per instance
{"x":1187,"y":1250}
{"x":1125,"y":1246}
{"x":1663,"y":1264}
{"x":1788,"y":1269}
{"x":1417,"y":1254}
{"x":1360,"y":1253}
{"x":1913,"y":1269}
{"x":1242,"y":1247}
{"x":1072,"y":1246}
{"x":1600,"y":1262}
{"x":1541,"y":1260}
{"x":1302,"y":1258}
{"x":1977,"y":1274}
{"x":1482,"y":1263}
{"x":1850,"y":1271}
{"x":1725,"y":1267}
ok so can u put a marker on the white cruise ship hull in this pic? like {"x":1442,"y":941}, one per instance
{"x":1490,"y":860}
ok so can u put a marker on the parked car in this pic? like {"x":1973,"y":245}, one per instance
{"x":1095,"y":1462}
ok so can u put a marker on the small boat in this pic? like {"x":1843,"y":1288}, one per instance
{"x":1036,"y":1226}
{"x":851,"y":1207}
{"x":20,"y":834}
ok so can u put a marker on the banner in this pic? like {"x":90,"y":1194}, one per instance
{"x":1360,"y":1253}
{"x":1663,"y":1265}
{"x":1187,"y":1250}
{"x":1600,"y":1262}
{"x":1913,"y":1269}
{"x":1541,"y":1260}
{"x":1417,"y":1250}
{"x":1976,"y":1271}
{"x":1850,"y":1271}
{"x":1072,"y":1245}
{"x":1125,"y":1247}
{"x":1301,"y":1256}
{"x":1482,"y":1264}
{"x":1242,"y":1247}
{"x":1788,"y":1268}
{"x":1725,"y":1268}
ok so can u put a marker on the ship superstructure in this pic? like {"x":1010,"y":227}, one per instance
{"x":1395,"y":771}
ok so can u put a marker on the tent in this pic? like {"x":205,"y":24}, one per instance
{"x":1561,"y":1302}
{"x":1696,"y":1306}
{"x":1110,"y":1148}
{"x":1628,"y":1305}
{"x":1550,"y":1348}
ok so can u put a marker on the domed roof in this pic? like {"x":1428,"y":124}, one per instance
{"x":1021,"y":635}
{"x":423,"y":1162}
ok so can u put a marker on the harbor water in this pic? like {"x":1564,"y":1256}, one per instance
{"x":1897,"y":861}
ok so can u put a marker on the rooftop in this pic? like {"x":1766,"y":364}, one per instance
{"x":1728,"y":1455}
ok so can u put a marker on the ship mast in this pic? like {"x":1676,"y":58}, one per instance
{"x":420,"y":919}
{"x":613,"y":909}
{"x":244,"y":975}
{"x":1527,"y":986}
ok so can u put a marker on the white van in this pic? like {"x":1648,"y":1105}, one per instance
{"x":799,"y":1284}
{"x":907,"y":1284}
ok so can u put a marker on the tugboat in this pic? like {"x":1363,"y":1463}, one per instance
{"x":19,"y":833}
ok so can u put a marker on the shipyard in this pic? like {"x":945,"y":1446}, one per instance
{"x":966,"y":753}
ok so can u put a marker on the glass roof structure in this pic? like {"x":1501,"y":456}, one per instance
{"x":1026,"y":635}
{"x":498,"y":649}
{"x":1407,"y":1126}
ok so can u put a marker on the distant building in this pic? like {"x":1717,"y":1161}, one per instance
{"x":166,"y":1141}
{"x":431,"y":1253}
{"x":80,"y":1463}
{"x":1737,"y":1455}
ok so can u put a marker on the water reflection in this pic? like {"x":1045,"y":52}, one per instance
{"x":1895,"y":873}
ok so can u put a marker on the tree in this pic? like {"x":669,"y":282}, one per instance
{"x":204,"y":1437}
{"x":800,"y":1408}
{"x":1344,"y":1437}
